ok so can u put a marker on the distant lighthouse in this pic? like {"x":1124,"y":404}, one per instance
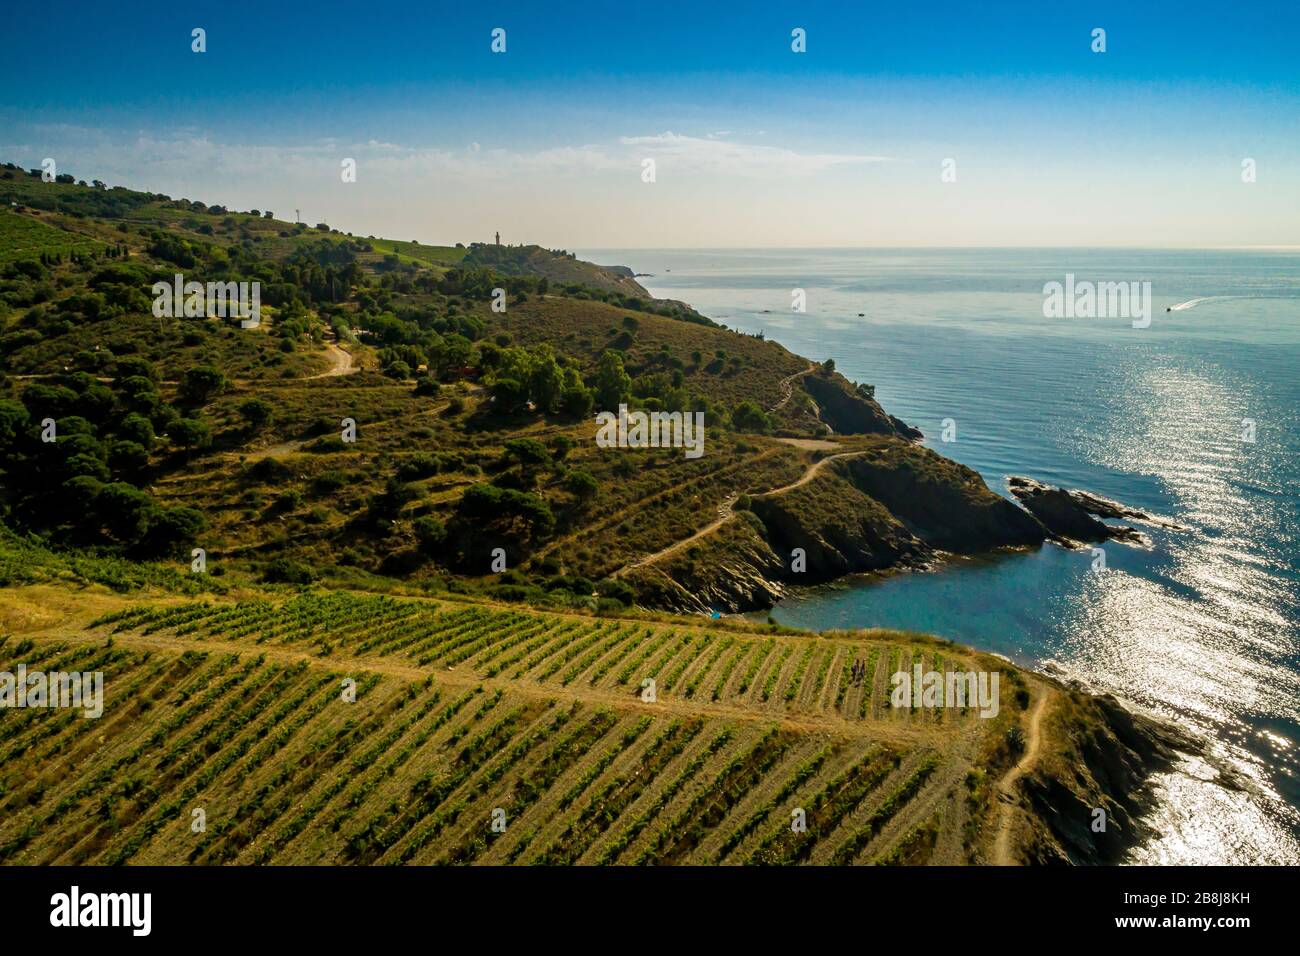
{"x":498,"y":238}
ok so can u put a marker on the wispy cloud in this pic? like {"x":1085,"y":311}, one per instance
{"x":175,"y":155}
{"x":712,"y":154}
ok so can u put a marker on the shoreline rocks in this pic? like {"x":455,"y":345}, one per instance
{"x":1073,"y":517}
{"x":1109,"y":754}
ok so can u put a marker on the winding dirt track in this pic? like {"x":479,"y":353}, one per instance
{"x":726,"y":513}
{"x":1007,"y":796}
{"x":341,"y":363}
{"x":787,"y":386}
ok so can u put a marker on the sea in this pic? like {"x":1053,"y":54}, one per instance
{"x":1193,"y":417}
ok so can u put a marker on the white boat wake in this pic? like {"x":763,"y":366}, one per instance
{"x":1191,"y":303}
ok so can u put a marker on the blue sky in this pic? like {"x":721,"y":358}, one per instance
{"x":753,"y":144}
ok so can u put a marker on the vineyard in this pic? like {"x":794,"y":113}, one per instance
{"x":22,"y":237}
{"x":333,"y":728}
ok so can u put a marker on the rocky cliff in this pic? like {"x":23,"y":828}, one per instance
{"x":1089,"y":791}
{"x":848,"y":411}
{"x":895,"y":505}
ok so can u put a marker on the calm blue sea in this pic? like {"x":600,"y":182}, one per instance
{"x":1204,"y":626}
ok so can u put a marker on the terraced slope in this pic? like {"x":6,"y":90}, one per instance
{"x":466,"y":714}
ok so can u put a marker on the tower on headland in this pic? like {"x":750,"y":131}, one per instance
{"x":498,"y":238}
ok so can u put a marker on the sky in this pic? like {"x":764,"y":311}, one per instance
{"x":912,"y":124}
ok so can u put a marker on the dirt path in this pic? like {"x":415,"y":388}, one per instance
{"x":810,"y":474}
{"x":1007,"y":795}
{"x":787,"y":387}
{"x":341,"y":363}
{"x":636,"y":507}
{"x":726,"y":513}
{"x":810,"y":444}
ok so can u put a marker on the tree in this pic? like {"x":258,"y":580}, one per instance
{"x":529,"y":452}
{"x":613,"y":386}
{"x":287,"y":571}
{"x":133,"y":365}
{"x":486,"y":505}
{"x":13,"y":420}
{"x":136,"y":428}
{"x":748,"y":417}
{"x":86,"y":465}
{"x":576,"y":400}
{"x":387,"y":504}
{"x":430,"y":533}
{"x":189,"y":433}
{"x":128,"y":458}
{"x":397,"y":369}
{"x":173,"y":528}
{"x":256,"y":413}
{"x":124,"y":510}
{"x":546,"y":383}
{"x":509,"y":394}
{"x":454,"y":352}
{"x":200,"y":384}
{"x":49,"y":401}
{"x":616,"y":590}
{"x":561,"y":445}
{"x":581,"y":485}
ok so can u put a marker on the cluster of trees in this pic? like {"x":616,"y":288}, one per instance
{"x":82,"y":200}
{"x":404,"y":347}
{"x":320,"y":275}
{"x":534,"y":378}
{"x":506,"y":512}
{"x":76,"y":456}
{"x":476,"y":282}
{"x":440,"y":338}
{"x":521,"y":377}
{"x":489,"y":516}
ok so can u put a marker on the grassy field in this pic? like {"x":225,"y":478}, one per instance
{"x":24,"y":237}
{"x":416,"y":252}
{"x":464,"y":710}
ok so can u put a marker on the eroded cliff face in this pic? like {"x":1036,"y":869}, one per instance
{"x":736,"y":570}
{"x":839,"y":529}
{"x":849,"y":412}
{"x":1098,"y":766}
{"x":896,"y":506}
{"x":945,"y":504}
